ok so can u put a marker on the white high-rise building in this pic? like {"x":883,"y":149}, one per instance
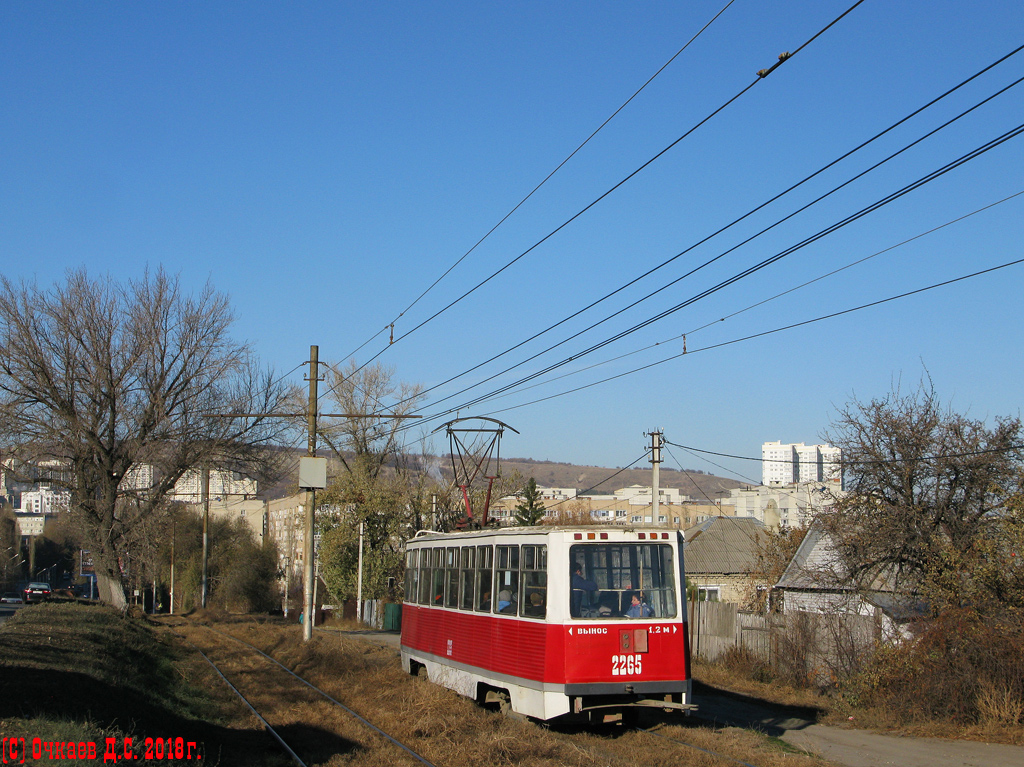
{"x":778,"y":463}
{"x":222,"y":483}
{"x":796,"y":462}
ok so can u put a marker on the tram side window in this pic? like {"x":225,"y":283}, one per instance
{"x":506,"y":580}
{"x":535,"y":581}
{"x":484,"y":568}
{"x":466,"y":557}
{"x":425,"y":575}
{"x":437,"y":588}
{"x":622,"y":572}
{"x":412,"y":561}
{"x":451,"y":587}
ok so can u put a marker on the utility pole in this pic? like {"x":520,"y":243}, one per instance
{"x":307,"y":540}
{"x":206,"y":532}
{"x":309,"y":572}
{"x":359,"y":579}
{"x":172,"y":565}
{"x":656,"y":443}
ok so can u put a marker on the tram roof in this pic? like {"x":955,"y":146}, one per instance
{"x":502,"y":532}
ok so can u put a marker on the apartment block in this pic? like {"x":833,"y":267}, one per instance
{"x":788,"y":464}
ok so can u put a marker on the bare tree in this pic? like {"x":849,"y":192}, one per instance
{"x":929,"y":491}
{"x":99,"y":377}
{"x":370,"y":440}
{"x":379,"y":485}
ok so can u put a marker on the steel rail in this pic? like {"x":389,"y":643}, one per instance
{"x":312,"y":686}
{"x":266,"y":725}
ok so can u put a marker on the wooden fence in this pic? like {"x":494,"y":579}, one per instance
{"x":808,"y":645}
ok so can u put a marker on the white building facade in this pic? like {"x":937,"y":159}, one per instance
{"x":222,"y":483}
{"x":778,"y":506}
{"x":787,"y":464}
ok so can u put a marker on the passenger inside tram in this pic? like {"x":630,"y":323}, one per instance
{"x":506,"y":601}
{"x":535,"y":606}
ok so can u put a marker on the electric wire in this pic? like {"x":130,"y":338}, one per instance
{"x":732,"y":249}
{"x":722,"y":541}
{"x":753,"y":336}
{"x":763,"y":301}
{"x":606,"y":479}
{"x":545,"y":179}
{"x":873,"y":462}
{"x":761,"y":75}
{"x":843,"y":156}
{"x":747,"y":272}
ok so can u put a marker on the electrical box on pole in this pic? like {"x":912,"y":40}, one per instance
{"x":312,"y":473}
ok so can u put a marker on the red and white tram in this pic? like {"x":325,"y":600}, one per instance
{"x":549,"y":621}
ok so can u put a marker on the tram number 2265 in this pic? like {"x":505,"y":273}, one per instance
{"x":625,"y":665}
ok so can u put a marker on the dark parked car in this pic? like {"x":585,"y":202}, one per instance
{"x":37,"y":592}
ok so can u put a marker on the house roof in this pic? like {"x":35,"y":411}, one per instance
{"x":724,"y":545}
{"x":816,"y":566}
{"x":813,"y":565}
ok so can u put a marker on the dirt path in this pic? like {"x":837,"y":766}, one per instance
{"x":850,"y":747}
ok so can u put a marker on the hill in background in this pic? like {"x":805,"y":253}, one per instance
{"x":588,"y":480}
{"x":599,"y":480}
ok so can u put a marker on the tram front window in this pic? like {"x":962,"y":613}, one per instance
{"x":622,"y":581}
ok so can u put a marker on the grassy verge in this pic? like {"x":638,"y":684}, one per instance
{"x":74,"y":673}
{"x":456,"y":732}
{"x":838,"y":707}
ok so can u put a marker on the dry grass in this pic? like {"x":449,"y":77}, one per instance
{"x":450,"y":730}
{"x":88,"y":673}
{"x":962,"y":678}
{"x":740,"y":676}
{"x":75,"y":672}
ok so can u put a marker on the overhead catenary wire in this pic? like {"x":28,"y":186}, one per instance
{"x":978,"y":151}
{"x":606,"y":479}
{"x":761,"y":75}
{"x":872,"y":462}
{"x":547,"y":178}
{"x":762,"y":302}
{"x":735,"y":247}
{"x":756,"y":335}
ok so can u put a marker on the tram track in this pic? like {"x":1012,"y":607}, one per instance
{"x":289,"y":712}
{"x":255,"y":670}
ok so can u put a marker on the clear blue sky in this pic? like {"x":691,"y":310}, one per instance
{"x":323,"y":163}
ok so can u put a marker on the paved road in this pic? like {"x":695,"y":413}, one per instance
{"x":6,"y":611}
{"x":858,"y":748}
{"x":850,"y":747}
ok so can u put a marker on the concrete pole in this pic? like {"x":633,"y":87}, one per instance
{"x":656,"y":465}
{"x":359,"y":579}
{"x":172,"y":567}
{"x":206,"y":532}
{"x":307,"y":541}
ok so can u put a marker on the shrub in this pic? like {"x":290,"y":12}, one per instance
{"x":963,"y":668}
